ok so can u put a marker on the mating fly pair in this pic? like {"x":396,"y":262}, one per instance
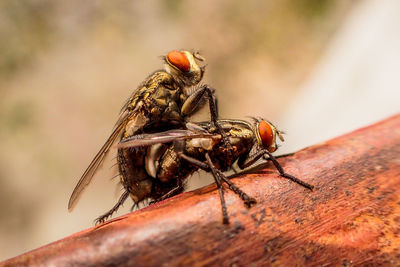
{"x":163,"y":101}
{"x":158,"y":149}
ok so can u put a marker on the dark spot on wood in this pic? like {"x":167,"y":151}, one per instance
{"x":370,"y":189}
{"x":346,"y":263}
{"x":258,"y":217}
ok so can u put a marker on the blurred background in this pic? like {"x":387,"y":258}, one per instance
{"x":316,"y":68}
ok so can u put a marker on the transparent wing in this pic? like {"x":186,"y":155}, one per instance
{"x":87,"y":176}
{"x":162,"y":137}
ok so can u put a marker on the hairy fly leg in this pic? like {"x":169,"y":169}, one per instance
{"x":239,"y":171}
{"x":218,"y":176}
{"x":108,"y":214}
{"x":225,"y":218}
{"x":283,"y":173}
{"x":284,"y":155}
{"x":249,"y":201}
{"x":250,"y":160}
{"x":210,"y":167}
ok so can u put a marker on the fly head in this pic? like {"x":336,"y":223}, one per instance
{"x":266,"y":134}
{"x":182,"y":65}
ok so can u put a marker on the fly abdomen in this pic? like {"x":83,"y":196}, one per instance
{"x":134,"y":177}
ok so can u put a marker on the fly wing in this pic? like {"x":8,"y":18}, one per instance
{"x":98,"y":160}
{"x":161,"y":138}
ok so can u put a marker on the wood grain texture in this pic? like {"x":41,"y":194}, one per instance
{"x":351,"y":218}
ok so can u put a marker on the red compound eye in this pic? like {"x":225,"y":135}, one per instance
{"x":266,"y":133}
{"x":179,"y":60}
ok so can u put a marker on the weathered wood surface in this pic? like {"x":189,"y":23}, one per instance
{"x":351,"y":218}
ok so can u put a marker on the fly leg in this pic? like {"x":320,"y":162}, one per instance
{"x":250,"y":160}
{"x":195,"y":100}
{"x":249,"y":201}
{"x":284,"y":155}
{"x":135,"y":206}
{"x":284,"y":174}
{"x":225,"y":218}
{"x":219,"y":177}
{"x":206,"y":166}
{"x":105,"y":216}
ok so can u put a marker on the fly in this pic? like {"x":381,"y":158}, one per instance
{"x":163,"y":101}
{"x":175,"y":154}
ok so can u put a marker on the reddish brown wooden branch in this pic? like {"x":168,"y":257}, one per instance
{"x":351,"y":218}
